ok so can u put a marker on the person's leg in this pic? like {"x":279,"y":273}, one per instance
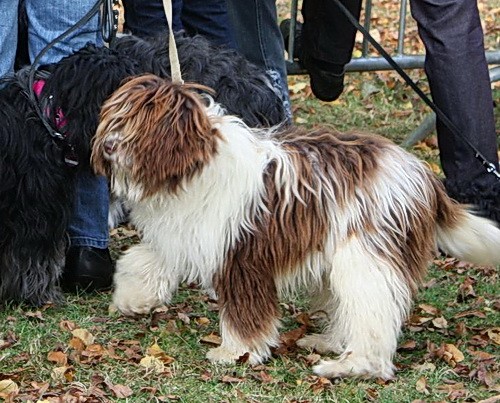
{"x":210,"y":19}
{"x":258,"y":38}
{"x":88,"y":258}
{"x":327,"y":35}
{"x":456,"y":67}
{"x":327,"y":45}
{"x":146,"y":18}
{"x":8,"y":35}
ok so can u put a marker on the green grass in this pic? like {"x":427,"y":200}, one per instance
{"x":285,"y":378}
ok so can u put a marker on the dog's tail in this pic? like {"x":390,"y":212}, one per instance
{"x":463,"y":234}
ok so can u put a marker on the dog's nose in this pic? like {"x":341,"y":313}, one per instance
{"x":109,"y":146}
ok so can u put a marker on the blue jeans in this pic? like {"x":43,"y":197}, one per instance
{"x":8,"y":35}
{"x":47,"y":20}
{"x":258,"y":38}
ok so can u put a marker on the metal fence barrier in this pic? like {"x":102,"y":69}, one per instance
{"x":376,"y":63}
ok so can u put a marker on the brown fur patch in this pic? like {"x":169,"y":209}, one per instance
{"x":287,"y":233}
{"x":165,"y":129}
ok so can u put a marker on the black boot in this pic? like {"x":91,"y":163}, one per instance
{"x":87,"y":269}
{"x":327,"y":79}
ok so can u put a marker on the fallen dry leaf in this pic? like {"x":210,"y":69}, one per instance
{"x":206,"y":376}
{"x":265,"y":377}
{"x":320,"y":384}
{"x":481,"y":355}
{"x":8,"y":340}
{"x":203,"y":321}
{"x":120,"y":391}
{"x":8,"y":387}
{"x":426,"y":366}
{"x":465,"y":290}
{"x":432,"y":310}
{"x":452,"y":355}
{"x":156,"y":351}
{"x":77,"y":344}
{"x":184,"y":318}
{"x":408,"y":345}
{"x":440,"y":323}
{"x":474,"y":312}
{"x":492,"y":399}
{"x":231,"y":379}
{"x":455,"y":390}
{"x":35,"y":315}
{"x":494,"y":335}
{"x":63,"y":374}
{"x":212,"y":338}
{"x":84,"y":335}
{"x":421,"y":386}
{"x":58,"y":357}
{"x":312,"y":359}
{"x":152,"y":363}
{"x":67,"y":325}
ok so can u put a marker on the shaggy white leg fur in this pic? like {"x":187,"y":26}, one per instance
{"x":327,"y":341}
{"x":322,"y":343}
{"x":232,"y":347}
{"x":138,"y":287}
{"x":372,"y":303}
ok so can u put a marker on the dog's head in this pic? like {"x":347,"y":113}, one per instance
{"x":155,"y":133}
{"x":78,"y":85}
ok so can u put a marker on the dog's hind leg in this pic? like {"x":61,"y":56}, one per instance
{"x":140,"y":281}
{"x":329,"y":341}
{"x":372,"y":304}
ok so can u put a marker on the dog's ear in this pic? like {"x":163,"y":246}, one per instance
{"x":165,"y":133}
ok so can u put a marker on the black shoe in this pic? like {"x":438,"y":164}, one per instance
{"x":327,"y":79}
{"x":87,"y":269}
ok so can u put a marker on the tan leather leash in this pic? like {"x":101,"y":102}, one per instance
{"x":175,"y":66}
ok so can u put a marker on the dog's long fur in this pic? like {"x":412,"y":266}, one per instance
{"x":37,"y":187}
{"x":252,"y":213}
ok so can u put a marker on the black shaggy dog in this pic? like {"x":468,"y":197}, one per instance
{"x":37,"y":184}
{"x":241,"y":87}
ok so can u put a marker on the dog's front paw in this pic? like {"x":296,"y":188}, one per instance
{"x":130,"y":307}
{"x":132,"y":297}
{"x":353,"y":367}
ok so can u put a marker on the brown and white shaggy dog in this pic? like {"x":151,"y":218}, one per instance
{"x":252,"y":213}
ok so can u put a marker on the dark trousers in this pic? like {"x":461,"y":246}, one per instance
{"x":455,"y":65}
{"x":327,"y":35}
{"x":258,"y":38}
{"x":146,"y":18}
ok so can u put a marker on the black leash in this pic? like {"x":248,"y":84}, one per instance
{"x":108,"y":30}
{"x":489,"y":166}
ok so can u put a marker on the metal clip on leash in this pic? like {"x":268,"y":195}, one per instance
{"x":175,"y":67}
{"x":109,"y":25}
{"x":489,"y":166}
